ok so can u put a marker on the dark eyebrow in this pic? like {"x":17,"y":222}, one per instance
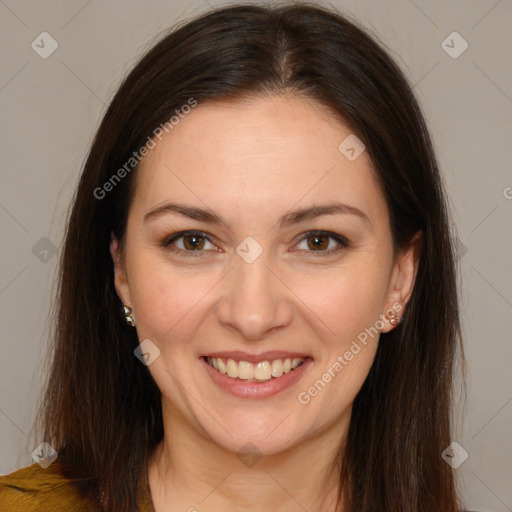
{"x":318,"y":211}
{"x":192,"y":212}
{"x":288,"y":219}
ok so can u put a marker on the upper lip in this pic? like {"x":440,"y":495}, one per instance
{"x":271,"y":355}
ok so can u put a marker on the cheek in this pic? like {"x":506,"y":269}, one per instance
{"x":349,"y":303}
{"x":345,"y":301}
{"x":164,"y":299}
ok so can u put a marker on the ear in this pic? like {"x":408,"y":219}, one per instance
{"x":403,"y":278}
{"x":120,"y":280}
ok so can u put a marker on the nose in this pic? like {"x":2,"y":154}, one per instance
{"x":255,"y":301}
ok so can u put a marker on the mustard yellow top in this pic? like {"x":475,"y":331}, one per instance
{"x":33,"y":488}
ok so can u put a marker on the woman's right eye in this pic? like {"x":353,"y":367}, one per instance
{"x":188,"y":243}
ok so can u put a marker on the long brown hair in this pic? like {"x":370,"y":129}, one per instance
{"x":102,"y":409}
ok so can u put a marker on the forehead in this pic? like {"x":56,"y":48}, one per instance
{"x":262,"y":153}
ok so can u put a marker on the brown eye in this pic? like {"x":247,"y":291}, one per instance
{"x":322,"y":243}
{"x":193,"y":242}
{"x":189,"y":243}
{"x":318,"y":242}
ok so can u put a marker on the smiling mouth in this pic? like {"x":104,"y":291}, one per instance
{"x":262,"y":371}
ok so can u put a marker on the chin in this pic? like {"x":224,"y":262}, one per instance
{"x":262,"y":434}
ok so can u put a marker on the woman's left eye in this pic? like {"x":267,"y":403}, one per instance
{"x":323,"y":242}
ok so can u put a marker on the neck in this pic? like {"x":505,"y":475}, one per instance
{"x":189,"y":472}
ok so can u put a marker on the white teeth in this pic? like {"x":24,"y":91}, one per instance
{"x":262,"y":371}
{"x":296,"y":362}
{"x":277,"y":368}
{"x":222,"y":366}
{"x":259,"y":372}
{"x":232,"y":368}
{"x":245,"y":370}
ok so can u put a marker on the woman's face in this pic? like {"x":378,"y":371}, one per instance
{"x":265,"y":276}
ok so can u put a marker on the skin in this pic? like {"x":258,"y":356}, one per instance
{"x":251,"y":163}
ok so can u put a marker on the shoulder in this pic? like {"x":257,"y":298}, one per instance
{"x":34,"y":488}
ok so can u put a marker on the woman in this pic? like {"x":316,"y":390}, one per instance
{"x":258,"y":304}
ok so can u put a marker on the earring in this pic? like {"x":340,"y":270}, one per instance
{"x":128,"y":315}
{"x":394,"y":319}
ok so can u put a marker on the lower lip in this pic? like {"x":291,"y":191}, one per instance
{"x":244,"y":389}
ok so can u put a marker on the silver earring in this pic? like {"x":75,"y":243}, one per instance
{"x":128,"y":315}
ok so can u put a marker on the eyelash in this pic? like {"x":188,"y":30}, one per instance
{"x":168,"y":241}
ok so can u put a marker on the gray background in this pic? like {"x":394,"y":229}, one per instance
{"x":51,"y":108}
